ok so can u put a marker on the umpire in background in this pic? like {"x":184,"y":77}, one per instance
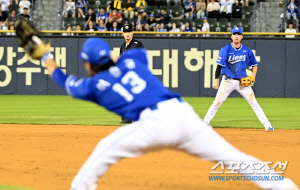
{"x":129,"y":43}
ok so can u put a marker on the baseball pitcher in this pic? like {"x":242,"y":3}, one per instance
{"x":162,"y":119}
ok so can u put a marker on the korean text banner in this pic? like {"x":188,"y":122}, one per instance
{"x":186,"y":66}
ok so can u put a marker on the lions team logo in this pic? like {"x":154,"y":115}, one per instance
{"x":234,"y":59}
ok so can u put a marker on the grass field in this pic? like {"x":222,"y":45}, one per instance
{"x":284,"y":113}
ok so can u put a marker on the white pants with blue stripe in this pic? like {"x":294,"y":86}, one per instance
{"x":173,"y":124}
{"x":226,"y":87}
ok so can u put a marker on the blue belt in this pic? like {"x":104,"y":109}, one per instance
{"x":155,"y":107}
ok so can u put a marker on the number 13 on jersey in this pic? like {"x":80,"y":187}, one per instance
{"x":137,"y":86}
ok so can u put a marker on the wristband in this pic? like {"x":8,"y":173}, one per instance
{"x":48,"y":55}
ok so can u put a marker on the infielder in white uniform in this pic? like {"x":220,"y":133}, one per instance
{"x":162,"y":119}
{"x":233,"y":61}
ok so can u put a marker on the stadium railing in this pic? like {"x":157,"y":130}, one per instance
{"x":158,"y":34}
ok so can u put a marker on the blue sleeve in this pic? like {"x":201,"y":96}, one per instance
{"x":252,"y":59}
{"x":81,"y":88}
{"x":194,"y":5}
{"x":59,"y":78}
{"x":144,"y":56}
{"x":221,"y":60}
{"x":137,"y":53}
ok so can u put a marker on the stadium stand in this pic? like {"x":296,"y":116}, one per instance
{"x":168,"y":9}
{"x":177,"y":21}
{"x":69,"y":21}
{"x":198,"y":23}
{"x":213,"y":24}
{"x":249,"y":17}
{"x":47,"y":14}
{"x":177,"y":11}
{"x":223,"y":25}
{"x":267,"y":17}
{"x":235,"y":22}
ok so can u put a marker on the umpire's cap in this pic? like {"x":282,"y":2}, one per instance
{"x":237,"y":29}
{"x":127,"y":28}
{"x":96,"y":51}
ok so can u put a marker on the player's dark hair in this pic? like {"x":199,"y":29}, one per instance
{"x":98,"y":68}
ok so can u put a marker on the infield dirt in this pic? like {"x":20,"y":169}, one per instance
{"x":47,"y":157}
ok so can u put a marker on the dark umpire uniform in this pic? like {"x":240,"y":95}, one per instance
{"x":132,"y":44}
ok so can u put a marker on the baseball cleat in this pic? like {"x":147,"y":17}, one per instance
{"x":270,"y":129}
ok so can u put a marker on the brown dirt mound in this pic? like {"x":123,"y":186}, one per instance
{"x":48,"y":157}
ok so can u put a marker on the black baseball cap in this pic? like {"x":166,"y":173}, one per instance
{"x":127,"y":28}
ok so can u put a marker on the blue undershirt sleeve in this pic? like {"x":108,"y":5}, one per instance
{"x":59,"y":78}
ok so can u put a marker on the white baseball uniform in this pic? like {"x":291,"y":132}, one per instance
{"x":162,"y":118}
{"x":173,"y":125}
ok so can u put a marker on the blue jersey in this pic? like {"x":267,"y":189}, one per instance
{"x":234,"y":61}
{"x":126,"y":88}
{"x":81,"y":5}
{"x":101,"y":28}
{"x":162,"y":30}
{"x":115,"y":29}
{"x":103,"y":17}
{"x":188,"y":30}
{"x":193,"y":5}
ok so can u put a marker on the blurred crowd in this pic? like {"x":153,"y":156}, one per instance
{"x":149,"y":15}
{"x":13,"y":10}
{"x":292,"y":16}
{"x":145,"y":15}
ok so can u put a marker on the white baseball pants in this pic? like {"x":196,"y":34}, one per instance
{"x":226,"y":87}
{"x":173,"y":125}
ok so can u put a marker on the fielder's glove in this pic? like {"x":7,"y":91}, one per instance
{"x":31,"y":40}
{"x":247,"y":81}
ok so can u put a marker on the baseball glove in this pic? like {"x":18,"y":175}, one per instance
{"x":31,"y":40}
{"x":247,"y":81}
